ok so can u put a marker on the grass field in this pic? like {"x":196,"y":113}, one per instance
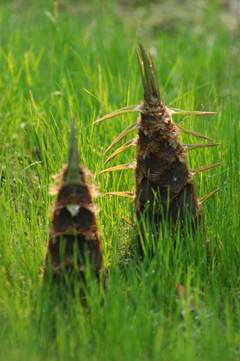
{"x":60,"y":60}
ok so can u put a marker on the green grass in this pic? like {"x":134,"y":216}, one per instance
{"x":82,"y":61}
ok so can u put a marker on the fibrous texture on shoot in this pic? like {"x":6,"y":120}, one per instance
{"x":164,"y":182}
{"x":74,"y":241}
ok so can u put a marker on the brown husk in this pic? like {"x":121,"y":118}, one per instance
{"x":74,"y":239}
{"x":164,"y":185}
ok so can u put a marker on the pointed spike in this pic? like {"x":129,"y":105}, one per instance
{"x":120,"y":194}
{"x":201,"y":145}
{"x":151,"y":85}
{"x":145,"y":72}
{"x":130,"y":109}
{"x":175,"y":111}
{"x":206,"y":168}
{"x":73,"y":175}
{"x":149,"y":77}
{"x":195,"y":134}
{"x":119,"y":167}
{"x":126,"y":131}
{"x":141,"y":67}
{"x":130,"y":143}
{"x":209,"y":195}
{"x":154,"y":79}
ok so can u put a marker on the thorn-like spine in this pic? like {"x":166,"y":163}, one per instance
{"x":205,"y":168}
{"x":119,"y":167}
{"x":128,"y":144}
{"x":125,"y":132}
{"x":120,"y":194}
{"x":200,"y":145}
{"x":128,"y":109}
{"x":194,"y":133}
{"x":208,"y":195}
